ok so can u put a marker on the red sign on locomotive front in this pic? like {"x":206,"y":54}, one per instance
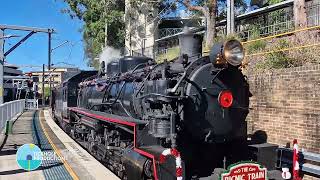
{"x":245,"y":171}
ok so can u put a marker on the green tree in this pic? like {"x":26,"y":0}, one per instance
{"x":212,"y":10}
{"x":97,"y":16}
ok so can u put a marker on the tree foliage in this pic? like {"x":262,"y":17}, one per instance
{"x":140,"y":16}
{"x":97,"y":15}
{"x":212,"y":10}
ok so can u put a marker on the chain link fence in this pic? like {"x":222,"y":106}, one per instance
{"x":313,"y":12}
{"x":275,"y":22}
{"x":252,"y":27}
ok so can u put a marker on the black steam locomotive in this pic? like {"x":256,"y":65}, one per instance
{"x":173,"y":120}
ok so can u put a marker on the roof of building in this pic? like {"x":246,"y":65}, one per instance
{"x":13,"y":66}
{"x":63,"y":67}
{"x":179,"y":22}
{"x":11,"y":70}
{"x":57,"y":69}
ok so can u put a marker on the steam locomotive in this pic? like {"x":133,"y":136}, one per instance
{"x":170,"y":120}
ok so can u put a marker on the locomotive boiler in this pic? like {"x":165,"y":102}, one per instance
{"x":136,"y":112}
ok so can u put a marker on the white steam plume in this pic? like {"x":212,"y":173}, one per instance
{"x":109,"y":54}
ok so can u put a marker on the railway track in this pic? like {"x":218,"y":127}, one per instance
{"x":85,"y":146}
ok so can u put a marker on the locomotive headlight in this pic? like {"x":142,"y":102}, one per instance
{"x":233,"y":52}
{"x":230,"y":52}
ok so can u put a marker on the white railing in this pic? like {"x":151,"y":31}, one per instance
{"x":309,"y":162}
{"x":9,"y":110}
{"x":165,"y":32}
{"x":31,"y":104}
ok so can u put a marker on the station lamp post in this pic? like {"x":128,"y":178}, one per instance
{"x":49,"y":75}
{"x":49,"y":63}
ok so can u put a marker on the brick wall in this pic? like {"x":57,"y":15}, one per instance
{"x":286,"y":105}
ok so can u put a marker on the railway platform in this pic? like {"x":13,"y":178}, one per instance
{"x":62,"y":157}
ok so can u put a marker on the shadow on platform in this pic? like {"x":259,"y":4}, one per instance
{"x":17,"y":171}
{"x":8,"y":152}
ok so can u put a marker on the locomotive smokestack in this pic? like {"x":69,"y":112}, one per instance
{"x":190,"y":44}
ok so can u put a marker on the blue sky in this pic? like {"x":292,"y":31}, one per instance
{"x":43,"y":14}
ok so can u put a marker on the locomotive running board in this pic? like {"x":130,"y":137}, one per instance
{"x":124,"y":121}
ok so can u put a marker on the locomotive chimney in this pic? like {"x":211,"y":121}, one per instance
{"x":190,"y":44}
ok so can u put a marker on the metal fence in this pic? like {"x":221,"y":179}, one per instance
{"x":313,"y":12}
{"x":253,"y":25}
{"x":168,"y":54}
{"x":265,"y":23}
{"x":9,"y":110}
{"x":147,"y":52}
{"x":309,"y":162}
{"x":32,"y":103}
{"x":165,"y":32}
{"x":276,"y":22}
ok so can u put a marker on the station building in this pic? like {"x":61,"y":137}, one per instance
{"x":149,"y":33}
{"x":10,"y":73}
{"x":57,"y":75}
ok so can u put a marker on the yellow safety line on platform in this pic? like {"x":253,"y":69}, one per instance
{"x":282,"y":34}
{"x":284,"y":49}
{"x":65,"y":163}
